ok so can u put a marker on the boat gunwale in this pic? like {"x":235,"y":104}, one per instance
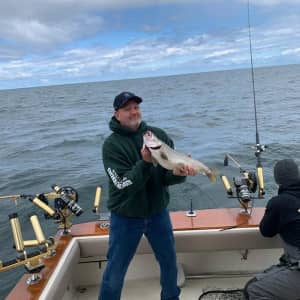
{"x":229,"y":220}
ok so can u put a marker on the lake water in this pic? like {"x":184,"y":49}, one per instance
{"x":54,"y":135}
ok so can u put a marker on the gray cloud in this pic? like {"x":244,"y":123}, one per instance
{"x":45,"y":42}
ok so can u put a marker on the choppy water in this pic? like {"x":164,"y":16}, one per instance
{"x":54,"y":135}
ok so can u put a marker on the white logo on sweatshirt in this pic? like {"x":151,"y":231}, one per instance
{"x":120,"y":183}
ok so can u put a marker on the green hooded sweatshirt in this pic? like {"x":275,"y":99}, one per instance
{"x":136,"y":188}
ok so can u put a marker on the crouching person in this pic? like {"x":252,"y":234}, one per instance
{"x":282,"y":216}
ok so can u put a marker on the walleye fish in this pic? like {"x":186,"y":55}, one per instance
{"x":170,"y":159}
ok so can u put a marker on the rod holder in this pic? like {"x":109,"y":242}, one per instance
{"x":97,"y":199}
{"x":16,"y":231}
{"x":46,"y":208}
{"x":260,"y":179}
{"x":226,"y":184}
{"x":37,"y":229}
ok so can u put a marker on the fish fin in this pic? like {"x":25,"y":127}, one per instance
{"x":164,"y":156}
{"x":212,"y":175}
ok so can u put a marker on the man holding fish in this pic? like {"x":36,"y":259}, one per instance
{"x":134,"y":157}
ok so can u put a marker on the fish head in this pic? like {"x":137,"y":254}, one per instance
{"x":151,"y":141}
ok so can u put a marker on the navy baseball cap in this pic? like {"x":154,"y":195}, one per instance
{"x":121,"y":99}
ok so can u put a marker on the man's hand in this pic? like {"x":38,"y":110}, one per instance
{"x":184,"y":170}
{"x":146,"y":154}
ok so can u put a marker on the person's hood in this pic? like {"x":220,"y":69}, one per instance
{"x":292,"y":188}
{"x":286,"y":172}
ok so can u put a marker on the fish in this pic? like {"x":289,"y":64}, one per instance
{"x":170,"y":159}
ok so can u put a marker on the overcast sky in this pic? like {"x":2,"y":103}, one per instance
{"x":49,"y":42}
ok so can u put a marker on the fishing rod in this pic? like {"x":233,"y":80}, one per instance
{"x":259,"y":147}
{"x":247,"y":184}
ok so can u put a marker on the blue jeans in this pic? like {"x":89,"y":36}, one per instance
{"x":124,"y":237}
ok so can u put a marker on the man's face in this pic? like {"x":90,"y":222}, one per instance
{"x":130,"y":115}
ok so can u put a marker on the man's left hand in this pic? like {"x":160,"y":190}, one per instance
{"x":184,"y":171}
{"x":146,"y":154}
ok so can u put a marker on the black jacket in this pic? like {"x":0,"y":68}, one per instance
{"x":282,"y":215}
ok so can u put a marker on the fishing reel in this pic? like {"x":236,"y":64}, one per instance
{"x":67,"y":199}
{"x":245,"y":186}
{"x":65,"y":204}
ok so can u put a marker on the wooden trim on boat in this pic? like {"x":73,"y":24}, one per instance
{"x":205,"y":219}
{"x":220,"y":218}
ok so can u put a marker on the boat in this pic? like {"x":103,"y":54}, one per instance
{"x":218,"y":250}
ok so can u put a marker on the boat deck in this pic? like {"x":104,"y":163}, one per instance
{"x":150,"y":289}
{"x":203,"y":246}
